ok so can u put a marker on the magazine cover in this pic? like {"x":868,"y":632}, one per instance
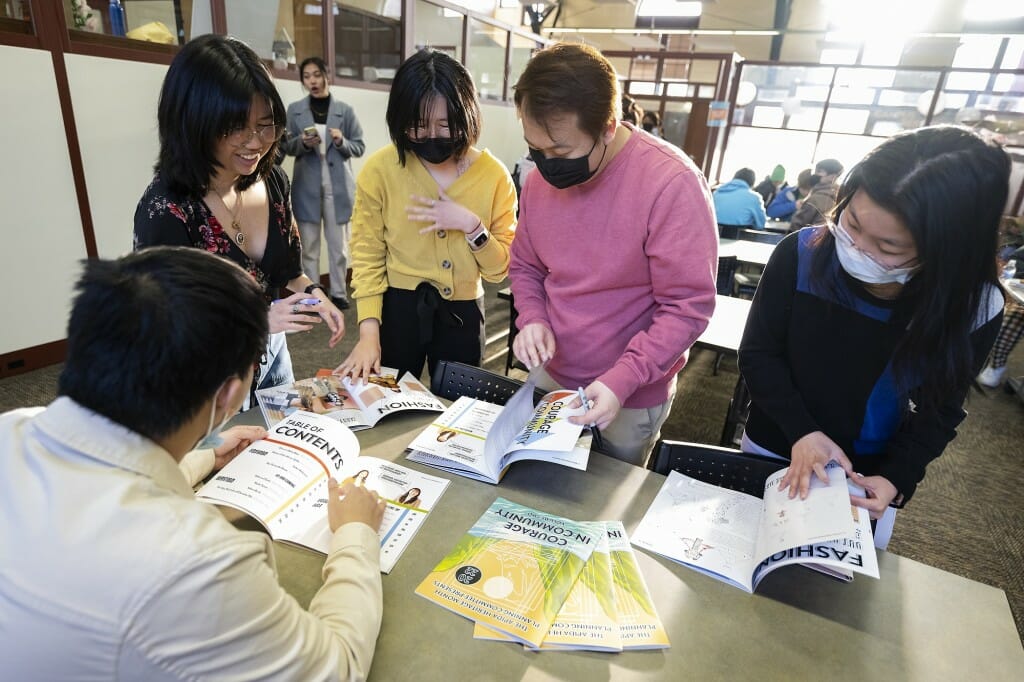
{"x":513,"y":569}
{"x":639,"y":624}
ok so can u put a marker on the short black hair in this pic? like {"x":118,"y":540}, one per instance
{"x":154,"y":334}
{"x":829,"y":167}
{"x":316,"y":61}
{"x":422,"y":76}
{"x":747,"y":175}
{"x":208,"y":92}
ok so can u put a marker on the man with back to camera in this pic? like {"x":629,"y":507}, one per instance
{"x":737,"y":204}
{"x":822,"y":199}
{"x":613,"y":265}
{"x":111,"y":569}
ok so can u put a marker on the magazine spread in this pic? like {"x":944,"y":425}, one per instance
{"x":479,"y":440}
{"x":281,"y":481}
{"x":513,"y":569}
{"x":739,"y":538}
{"x":358,"y":405}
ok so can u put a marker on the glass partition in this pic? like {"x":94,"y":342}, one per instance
{"x":761,"y":149}
{"x":367,"y":45}
{"x":439,"y":28}
{"x":487,"y":46}
{"x":522,"y":50}
{"x":282,"y":32}
{"x":166,"y":22}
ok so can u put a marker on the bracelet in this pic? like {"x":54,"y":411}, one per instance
{"x":315,"y":285}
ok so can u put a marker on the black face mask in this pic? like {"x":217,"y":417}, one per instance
{"x":433,"y":149}
{"x":562,"y":173}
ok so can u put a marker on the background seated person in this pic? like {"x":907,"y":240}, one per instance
{"x":161,"y":349}
{"x":737,"y":204}
{"x":818,"y":205}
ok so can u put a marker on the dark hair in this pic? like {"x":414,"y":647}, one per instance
{"x":316,"y":61}
{"x":631,"y":111}
{"x":653,"y":116}
{"x":208,"y":92}
{"x":948,"y":186}
{"x":829,"y":167}
{"x":569,"y":79}
{"x":154,"y":334}
{"x":747,"y":175}
{"x":427,"y":74}
{"x":805,"y":180}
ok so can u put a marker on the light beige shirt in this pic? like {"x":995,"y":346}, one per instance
{"x":110,"y":569}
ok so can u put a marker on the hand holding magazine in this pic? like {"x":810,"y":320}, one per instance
{"x":479,"y":440}
{"x":357,"y":405}
{"x":739,"y":538}
{"x":281,"y":481}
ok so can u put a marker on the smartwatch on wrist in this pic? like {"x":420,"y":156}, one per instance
{"x":479,"y":239}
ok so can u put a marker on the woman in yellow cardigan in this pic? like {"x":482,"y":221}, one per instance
{"x":432,"y":215}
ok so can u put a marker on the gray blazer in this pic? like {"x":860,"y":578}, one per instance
{"x":306,"y":176}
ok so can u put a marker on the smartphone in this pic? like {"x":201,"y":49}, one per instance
{"x":309,"y":131}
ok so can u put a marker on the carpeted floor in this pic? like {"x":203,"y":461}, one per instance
{"x":967,"y":516}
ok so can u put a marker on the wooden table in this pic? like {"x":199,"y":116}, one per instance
{"x":916,"y":623}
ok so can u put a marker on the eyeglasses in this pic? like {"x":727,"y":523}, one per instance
{"x":242,"y":136}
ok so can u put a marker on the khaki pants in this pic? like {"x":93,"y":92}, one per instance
{"x":634,"y":431}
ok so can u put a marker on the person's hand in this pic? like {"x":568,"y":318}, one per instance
{"x":331,"y":315}
{"x":810,"y":455}
{"x":364,"y":359}
{"x":233,"y":441}
{"x":442,"y":214}
{"x":289,"y":315}
{"x":310,"y":141}
{"x":604,"y":406}
{"x":879,"y":491}
{"x":534,"y":344}
{"x":353,"y":504}
{"x":336,"y":136}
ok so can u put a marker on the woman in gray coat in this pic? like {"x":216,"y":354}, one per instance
{"x":323,"y":134}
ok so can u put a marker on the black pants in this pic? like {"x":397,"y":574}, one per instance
{"x":420,"y":325}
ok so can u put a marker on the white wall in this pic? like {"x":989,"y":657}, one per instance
{"x":42,"y":229}
{"x":114,"y":103}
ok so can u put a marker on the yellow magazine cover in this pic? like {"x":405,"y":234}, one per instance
{"x":512,"y":570}
{"x":587,"y":619}
{"x":639,"y":625}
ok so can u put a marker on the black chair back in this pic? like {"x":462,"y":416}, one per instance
{"x":762,"y":236}
{"x":726,"y":274}
{"x":724,"y":467}
{"x":736,"y":415}
{"x":729,"y":231}
{"x":452,"y":380}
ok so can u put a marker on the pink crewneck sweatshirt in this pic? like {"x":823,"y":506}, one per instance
{"x":621,"y":268}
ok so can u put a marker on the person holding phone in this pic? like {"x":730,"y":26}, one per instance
{"x":217,"y":188}
{"x":433,"y":214}
{"x":323,"y":136}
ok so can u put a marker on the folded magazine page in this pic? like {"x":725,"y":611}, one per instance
{"x":281,"y":481}
{"x":639,"y":624}
{"x":513,"y":569}
{"x":479,"y":440}
{"x":739,"y":538}
{"x":358,"y":405}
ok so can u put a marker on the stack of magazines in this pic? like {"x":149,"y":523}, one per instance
{"x":547,"y":583}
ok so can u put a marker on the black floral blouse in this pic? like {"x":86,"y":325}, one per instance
{"x":163,"y":218}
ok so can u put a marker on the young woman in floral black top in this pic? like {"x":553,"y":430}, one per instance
{"x":217,"y":188}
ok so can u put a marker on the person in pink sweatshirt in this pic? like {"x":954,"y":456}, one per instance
{"x":613,"y":266}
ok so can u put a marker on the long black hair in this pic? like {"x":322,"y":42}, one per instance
{"x":427,"y":74}
{"x":948,"y":185}
{"x":207,"y":93}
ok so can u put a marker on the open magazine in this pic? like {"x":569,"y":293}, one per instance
{"x":479,"y":440}
{"x":357,"y":405}
{"x":739,"y":538}
{"x":281,"y":481}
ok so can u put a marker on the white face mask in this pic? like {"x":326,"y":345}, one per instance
{"x":212,"y":438}
{"x":863,"y":267}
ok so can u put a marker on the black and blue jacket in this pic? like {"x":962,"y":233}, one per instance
{"x":817,"y":356}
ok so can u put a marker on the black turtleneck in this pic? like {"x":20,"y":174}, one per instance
{"x":319,"y":107}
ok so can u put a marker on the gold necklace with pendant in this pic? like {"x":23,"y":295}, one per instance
{"x":235,"y":224}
